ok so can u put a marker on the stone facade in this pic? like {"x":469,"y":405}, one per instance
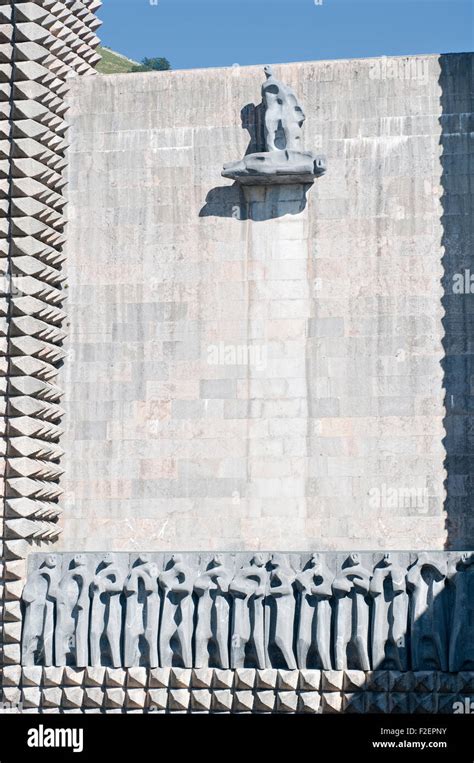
{"x":273,"y":367}
{"x":278,"y":369}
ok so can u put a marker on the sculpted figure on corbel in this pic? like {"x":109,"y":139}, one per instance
{"x":284,"y":160}
{"x":314,"y":627}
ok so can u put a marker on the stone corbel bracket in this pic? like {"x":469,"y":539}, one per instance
{"x":276,"y":168}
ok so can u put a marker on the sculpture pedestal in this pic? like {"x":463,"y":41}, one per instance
{"x":276,"y":168}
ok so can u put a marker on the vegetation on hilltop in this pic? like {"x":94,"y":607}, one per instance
{"x":115,"y":63}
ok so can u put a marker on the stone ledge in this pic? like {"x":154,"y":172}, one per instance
{"x":171,"y":690}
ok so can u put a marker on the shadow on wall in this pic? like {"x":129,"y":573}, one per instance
{"x":255,"y":203}
{"x":456,"y":82}
{"x":253,"y":120}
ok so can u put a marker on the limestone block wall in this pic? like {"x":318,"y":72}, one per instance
{"x":268,"y":371}
{"x":42,"y":45}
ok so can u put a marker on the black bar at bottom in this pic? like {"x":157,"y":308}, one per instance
{"x":99,"y":737}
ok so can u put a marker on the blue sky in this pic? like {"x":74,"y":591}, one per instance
{"x":201,"y":33}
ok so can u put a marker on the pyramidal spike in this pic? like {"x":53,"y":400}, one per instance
{"x":43,"y":44}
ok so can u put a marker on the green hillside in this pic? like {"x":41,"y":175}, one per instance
{"x":114,"y":63}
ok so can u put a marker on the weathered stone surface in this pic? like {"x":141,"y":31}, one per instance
{"x":276,"y":375}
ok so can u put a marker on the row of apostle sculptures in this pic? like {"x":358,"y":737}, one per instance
{"x":92,"y":610}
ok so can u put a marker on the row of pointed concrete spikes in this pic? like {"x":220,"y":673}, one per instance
{"x":239,"y":690}
{"x":42,"y":44}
